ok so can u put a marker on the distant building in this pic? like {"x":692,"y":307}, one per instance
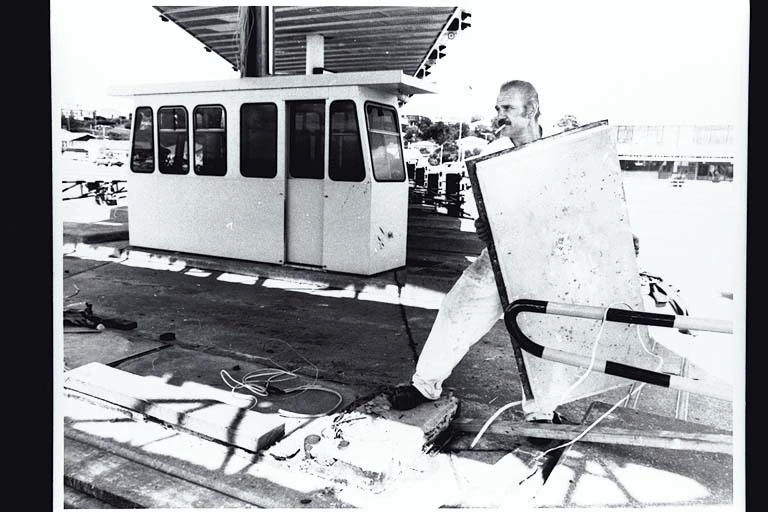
{"x":413,"y":120}
{"x":85,"y":146}
{"x":425,"y":146}
{"x":81,"y":113}
{"x":73,"y":144}
{"x":696,"y":151}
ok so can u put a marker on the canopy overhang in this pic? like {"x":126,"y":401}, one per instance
{"x":393,"y":82}
{"x":356,"y":38}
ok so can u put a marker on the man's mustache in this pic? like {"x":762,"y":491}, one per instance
{"x":499,"y":123}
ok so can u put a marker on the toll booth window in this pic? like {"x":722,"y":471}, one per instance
{"x":346,"y":152}
{"x":306,"y":139}
{"x":172,"y":140}
{"x":143,"y":146}
{"x":384,"y":138}
{"x":210,"y":137}
{"x":258,"y":140}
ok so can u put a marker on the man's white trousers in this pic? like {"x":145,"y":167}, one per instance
{"x":467,"y":313}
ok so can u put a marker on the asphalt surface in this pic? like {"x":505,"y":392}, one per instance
{"x":196,"y":316}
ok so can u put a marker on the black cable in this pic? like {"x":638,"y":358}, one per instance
{"x":411,"y":343}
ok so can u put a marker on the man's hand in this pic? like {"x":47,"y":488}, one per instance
{"x":483,"y":230}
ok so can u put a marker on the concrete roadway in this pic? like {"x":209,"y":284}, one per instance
{"x":357,"y":334}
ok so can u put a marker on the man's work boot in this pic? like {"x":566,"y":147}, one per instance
{"x":406,"y":397}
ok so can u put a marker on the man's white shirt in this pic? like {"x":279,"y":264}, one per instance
{"x":497,"y":145}
{"x":503,"y":143}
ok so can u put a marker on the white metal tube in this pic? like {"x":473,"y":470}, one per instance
{"x":703,"y":324}
{"x":680,"y":322}
{"x":558,"y":308}
{"x":697,"y":387}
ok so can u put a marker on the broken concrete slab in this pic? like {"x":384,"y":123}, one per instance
{"x":201,"y":409}
{"x":102,"y":439}
{"x":95,"y":232}
{"x":368,"y":447}
{"x":188,"y":367}
{"x":432,"y":418}
{"x":106,"y":348}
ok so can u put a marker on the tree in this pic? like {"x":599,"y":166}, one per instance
{"x":411,"y":134}
{"x":423,"y":124}
{"x":438,"y":132}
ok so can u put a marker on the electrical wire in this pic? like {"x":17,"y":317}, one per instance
{"x":614,"y":406}
{"x":577,"y":383}
{"x":491,"y":420}
{"x":404,"y":315}
{"x":573,"y":386}
{"x":257,"y":382}
{"x":77,"y":290}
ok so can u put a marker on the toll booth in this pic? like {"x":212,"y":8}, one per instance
{"x":418,"y":178}
{"x":303,"y":169}
{"x":411,"y":167}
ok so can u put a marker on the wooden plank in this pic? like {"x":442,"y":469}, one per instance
{"x":673,"y":440}
{"x":202,"y":410}
{"x":643,"y":420}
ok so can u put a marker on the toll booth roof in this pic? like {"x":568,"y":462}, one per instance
{"x":391,"y":81}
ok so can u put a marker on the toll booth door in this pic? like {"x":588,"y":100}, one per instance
{"x":305,"y":182}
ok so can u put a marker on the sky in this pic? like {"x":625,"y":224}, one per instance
{"x":644,"y":62}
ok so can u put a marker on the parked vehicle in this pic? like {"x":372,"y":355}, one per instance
{"x":108,"y":161}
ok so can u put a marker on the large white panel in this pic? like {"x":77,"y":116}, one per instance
{"x":231,"y":217}
{"x":561,"y":232}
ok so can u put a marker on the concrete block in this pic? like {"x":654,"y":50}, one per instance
{"x":93,"y":233}
{"x":200,"y":409}
{"x":195,"y":471}
{"x":369,"y":447}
